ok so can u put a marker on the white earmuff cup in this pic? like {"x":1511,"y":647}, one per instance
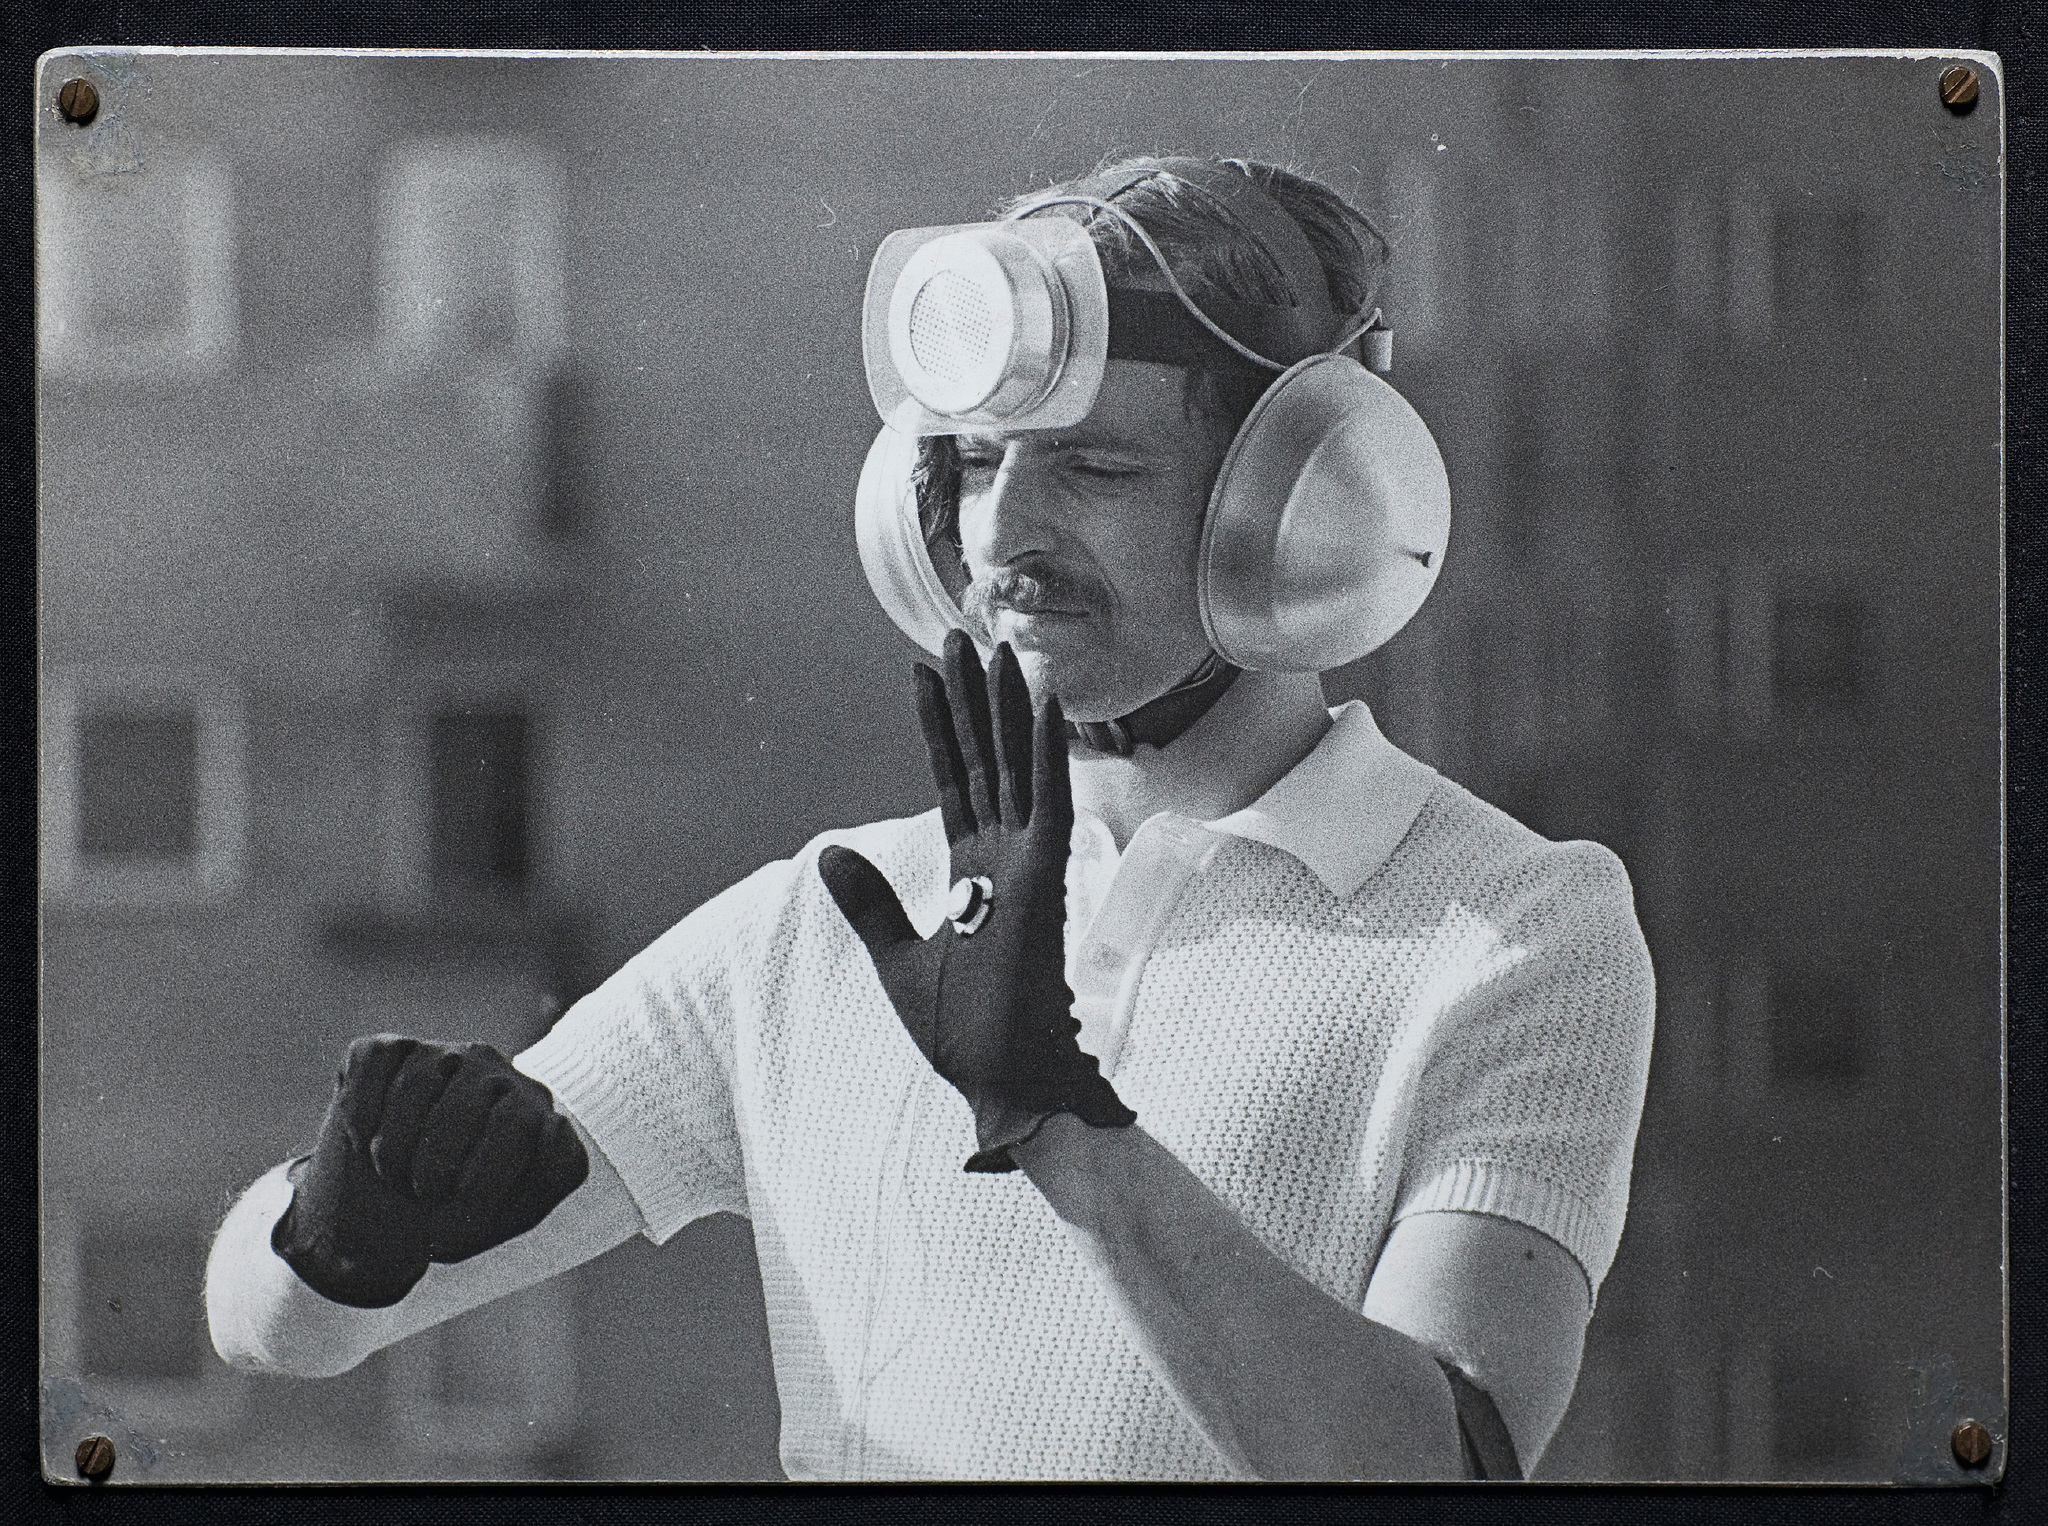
{"x":891,"y":543}
{"x":1327,"y":525}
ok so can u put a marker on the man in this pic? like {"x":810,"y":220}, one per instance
{"x":1315,"y":1179}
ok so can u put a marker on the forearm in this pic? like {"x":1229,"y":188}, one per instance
{"x":264,"y":1318}
{"x":1285,"y":1381}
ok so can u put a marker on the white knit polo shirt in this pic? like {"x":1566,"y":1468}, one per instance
{"x":1366,"y":996}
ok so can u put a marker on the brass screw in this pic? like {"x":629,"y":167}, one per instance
{"x":1959,"y":88}
{"x":95,"y":1457}
{"x":78,"y":101}
{"x":1971,"y":1443}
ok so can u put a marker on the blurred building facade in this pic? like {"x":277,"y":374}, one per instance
{"x":448,"y":581}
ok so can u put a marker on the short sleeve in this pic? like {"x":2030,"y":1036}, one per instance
{"x":1528,"y":1104}
{"x":645,"y":1061}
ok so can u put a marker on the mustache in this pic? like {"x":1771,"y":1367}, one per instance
{"x":1026,"y":587}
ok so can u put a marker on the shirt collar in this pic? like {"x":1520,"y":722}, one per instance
{"x":1344,"y":808}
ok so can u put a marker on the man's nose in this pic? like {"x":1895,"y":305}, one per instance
{"x":1011,"y":517}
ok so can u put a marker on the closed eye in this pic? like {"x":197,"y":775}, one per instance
{"x":980,"y":461}
{"x":1107,"y":470}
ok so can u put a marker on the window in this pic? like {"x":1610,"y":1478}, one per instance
{"x":1817,"y":654}
{"x":469,"y":246}
{"x":138,"y":785}
{"x":1820,"y":1421}
{"x":495,"y":1386}
{"x":143,"y":788}
{"x":480,"y":807}
{"x":463,"y":794}
{"x":567,"y":418}
{"x":1752,"y":251}
{"x":1745,"y":653}
{"x":124,"y":1321}
{"x":1721,"y":645}
{"x":1819,"y":265}
{"x":1796,"y":266}
{"x":1816,"y":1029}
{"x":135,"y":273}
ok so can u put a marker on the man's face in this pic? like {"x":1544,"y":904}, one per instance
{"x":1082,"y":542}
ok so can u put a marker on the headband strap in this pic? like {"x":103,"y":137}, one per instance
{"x":1152,"y":325}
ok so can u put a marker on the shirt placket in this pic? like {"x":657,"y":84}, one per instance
{"x":1109,"y":943}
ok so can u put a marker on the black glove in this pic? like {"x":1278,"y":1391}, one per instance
{"x":427,"y":1153}
{"x":989,"y":1007}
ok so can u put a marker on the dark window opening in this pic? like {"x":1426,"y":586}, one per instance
{"x":565,"y":471}
{"x":1526,"y":466}
{"x":138,"y":784}
{"x":141,"y":1305}
{"x":481,"y":801}
{"x":1815,"y":1029}
{"x":1723,"y":645}
{"x":487,"y":320}
{"x":1820,"y":263}
{"x":1818,"y":653}
{"x":478,"y":1358}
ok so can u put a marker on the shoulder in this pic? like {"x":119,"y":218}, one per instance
{"x":733,"y":954}
{"x":1462,"y":849}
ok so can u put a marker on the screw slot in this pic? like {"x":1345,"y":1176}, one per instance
{"x":1959,"y":88}
{"x":78,"y":102}
{"x":95,"y":1457}
{"x":1971,"y":1443}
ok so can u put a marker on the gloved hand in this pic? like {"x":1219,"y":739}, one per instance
{"x":427,"y":1153}
{"x":989,"y":1008}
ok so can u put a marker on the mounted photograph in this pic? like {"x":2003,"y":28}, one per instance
{"x":1021,"y":767}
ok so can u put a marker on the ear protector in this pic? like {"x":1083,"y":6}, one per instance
{"x":1326,"y":525}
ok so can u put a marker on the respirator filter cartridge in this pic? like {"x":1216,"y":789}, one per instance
{"x":985,"y":325}
{"x":978,"y":322}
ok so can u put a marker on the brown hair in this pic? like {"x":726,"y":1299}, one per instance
{"x":1212,"y":254}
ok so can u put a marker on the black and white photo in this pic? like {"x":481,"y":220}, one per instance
{"x":1021,"y":767}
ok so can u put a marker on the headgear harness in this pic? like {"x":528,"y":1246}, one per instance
{"x":1326,"y":525}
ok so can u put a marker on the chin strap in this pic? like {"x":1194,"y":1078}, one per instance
{"x":1159,"y":721}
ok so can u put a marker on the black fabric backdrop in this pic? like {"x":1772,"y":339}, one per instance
{"x":2010,"y":27}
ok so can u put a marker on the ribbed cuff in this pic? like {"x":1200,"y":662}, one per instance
{"x":1486,"y":1186}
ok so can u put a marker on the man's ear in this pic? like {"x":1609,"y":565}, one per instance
{"x":1222,"y":400}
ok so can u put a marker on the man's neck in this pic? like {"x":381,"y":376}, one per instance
{"x":1249,"y":739}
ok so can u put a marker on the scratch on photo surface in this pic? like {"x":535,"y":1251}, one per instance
{"x":1300,"y":102}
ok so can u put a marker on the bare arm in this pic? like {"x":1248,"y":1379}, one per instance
{"x":1285,"y":1381}
{"x":1499,"y":1300}
{"x":263,"y":1318}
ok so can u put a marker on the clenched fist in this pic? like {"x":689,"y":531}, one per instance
{"x":427,"y":1153}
